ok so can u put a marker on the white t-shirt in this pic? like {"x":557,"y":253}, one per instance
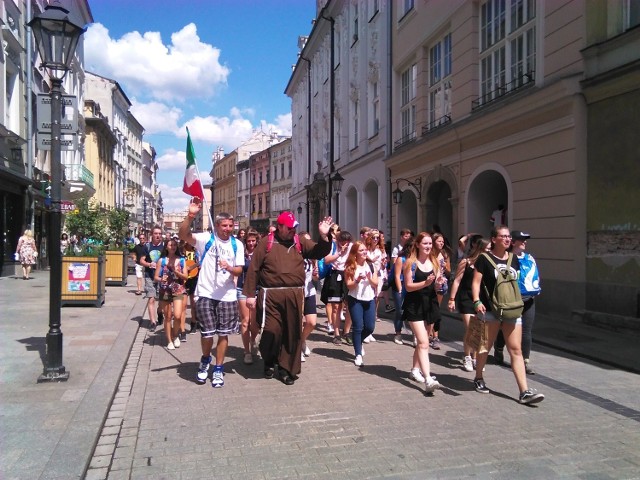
{"x":363,"y":290}
{"x":341,"y":262}
{"x":309,"y":287}
{"x":214,"y":282}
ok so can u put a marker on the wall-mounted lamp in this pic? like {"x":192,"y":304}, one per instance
{"x":397,"y":193}
{"x":300,"y":207}
{"x":336,"y":182}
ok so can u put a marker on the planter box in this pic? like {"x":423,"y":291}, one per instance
{"x":83,"y":281}
{"x":116,"y":268}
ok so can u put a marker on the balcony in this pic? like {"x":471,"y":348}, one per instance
{"x":523,"y":81}
{"x":407,"y":139}
{"x":440,"y":122}
{"x":78,"y":182}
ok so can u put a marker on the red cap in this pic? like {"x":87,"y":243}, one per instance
{"x":288,"y":220}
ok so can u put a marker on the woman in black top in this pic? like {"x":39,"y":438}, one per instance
{"x":484,"y":281}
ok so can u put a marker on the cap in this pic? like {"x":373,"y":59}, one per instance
{"x":518,"y":235}
{"x":288,"y":220}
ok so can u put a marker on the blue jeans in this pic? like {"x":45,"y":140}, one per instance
{"x":363,"y":320}
{"x":398,"y":297}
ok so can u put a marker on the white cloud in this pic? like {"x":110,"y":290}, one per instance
{"x":282,"y":125}
{"x":186,"y":68}
{"x":172,"y":160}
{"x":228,"y":132}
{"x":174,"y":199}
{"x":156,"y":117}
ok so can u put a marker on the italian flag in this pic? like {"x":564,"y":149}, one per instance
{"x":192,"y":185}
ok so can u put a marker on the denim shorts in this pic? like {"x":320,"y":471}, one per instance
{"x":490,"y":317}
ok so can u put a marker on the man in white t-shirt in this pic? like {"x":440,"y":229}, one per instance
{"x":221,"y":259}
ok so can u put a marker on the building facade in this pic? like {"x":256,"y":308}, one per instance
{"x":259,"y":164}
{"x":281,"y":168}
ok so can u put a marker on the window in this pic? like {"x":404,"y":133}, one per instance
{"x":375,"y":8}
{"x":275,"y":172}
{"x":374,"y":95}
{"x":282,"y":170}
{"x":260,"y":176}
{"x":260,"y":204}
{"x":631,"y":13}
{"x":355,"y":120}
{"x":407,"y":102}
{"x":290,"y":169}
{"x":508,"y":47}
{"x":405,"y":7}
{"x":440,"y":82}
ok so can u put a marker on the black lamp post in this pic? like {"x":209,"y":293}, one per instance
{"x":57,"y":32}
{"x":336,"y":186}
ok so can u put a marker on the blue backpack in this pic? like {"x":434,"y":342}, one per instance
{"x":323,"y":268}
{"x":212,"y":240}
{"x":163,"y":264}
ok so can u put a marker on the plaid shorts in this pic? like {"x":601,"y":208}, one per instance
{"x":217,"y":317}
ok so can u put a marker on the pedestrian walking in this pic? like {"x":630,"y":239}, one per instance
{"x":277,"y":272}
{"x":26,"y":253}
{"x":487,"y":268}
{"x":310,"y":311}
{"x":170,"y":275}
{"x":221,"y":260}
{"x":152,"y":252}
{"x":249,"y":329}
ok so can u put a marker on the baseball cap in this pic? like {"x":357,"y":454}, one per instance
{"x":288,"y":220}
{"x":519,"y":235}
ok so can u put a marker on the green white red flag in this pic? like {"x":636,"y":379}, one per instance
{"x":192,"y":185}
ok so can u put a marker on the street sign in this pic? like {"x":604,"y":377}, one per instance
{"x":69,"y":122}
{"x":68,"y":141}
{"x":67,"y":206}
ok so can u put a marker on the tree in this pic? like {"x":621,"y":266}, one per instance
{"x":118,"y":224}
{"x":87,"y":221}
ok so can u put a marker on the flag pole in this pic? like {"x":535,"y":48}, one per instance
{"x":204,"y":201}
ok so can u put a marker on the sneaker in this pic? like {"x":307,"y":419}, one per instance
{"x":389,"y":309}
{"x":347,"y":339}
{"x":269,"y":372}
{"x":397,"y":339}
{"x":176,"y":342}
{"x":248,"y":359}
{"x":369,"y":339}
{"x":416,"y":375}
{"x":481,"y":387}
{"x":432,"y":385}
{"x":306,"y":351}
{"x":183,"y":337}
{"x":329,"y":329}
{"x":171,"y":346}
{"x":203,"y":370}
{"x":358,"y":361}
{"x":528,"y":368}
{"x":498,"y":357}
{"x":302,"y":357}
{"x":468,"y":364}
{"x":152,"y":327}
{"x":529,"y":397}
{"x":217,"y":380}
{"x":286,"y":377}
{"x":194,"y":328}
{"x":337,"y":341}
{"x":435,"y":343}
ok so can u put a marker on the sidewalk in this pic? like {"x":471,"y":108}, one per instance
{"x":49,"y":430}
{"x":131,"y":408}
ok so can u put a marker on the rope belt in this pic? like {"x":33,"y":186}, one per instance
{"x":264,"y":301}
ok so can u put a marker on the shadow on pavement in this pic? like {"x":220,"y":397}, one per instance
{"x":38,"y":344}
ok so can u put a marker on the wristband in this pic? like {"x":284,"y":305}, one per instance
{"x":477,"y":303}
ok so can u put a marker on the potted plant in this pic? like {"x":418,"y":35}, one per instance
{"x":116,"y":253}
{"x":83,"y":263}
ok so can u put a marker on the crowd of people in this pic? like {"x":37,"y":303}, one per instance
{"x":264,"y":287}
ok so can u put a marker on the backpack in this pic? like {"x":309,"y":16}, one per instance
{"x":271,"y":239}
{"x":212,"y":240}
{"x":323,"y":268}
{"x":506,"y":301}
{"x":163,"y":264}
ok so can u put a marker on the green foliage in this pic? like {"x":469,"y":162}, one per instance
{"x":118,"y":220}
{"x":87,"y":221}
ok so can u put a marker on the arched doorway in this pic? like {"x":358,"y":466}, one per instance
{"x":439,"y":209}
{"x":486,"y":191}
{"x":370,"y":202}
{"x":350,"y":217}
{"x":407,"y":212}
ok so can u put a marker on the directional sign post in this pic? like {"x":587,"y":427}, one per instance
{"x":68,"y":125}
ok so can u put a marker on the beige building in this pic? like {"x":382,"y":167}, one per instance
{"x":98,"y":147}
{"x":280,"y":178}
{"x":528,"y":104}
{"x":490,"y":108}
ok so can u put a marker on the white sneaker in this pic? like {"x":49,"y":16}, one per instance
{"x":416,"y":375}
{"x":306,"y":351}
{"x":468,"y":364}
{"x":432,"y":385}
{"x":248,"y":359}
{"x":397,"y":339}
{"x":329,"y":328}
{"x":302,"y":357}
{"x":170,"y":346}
{"x":358,"y":361}
{"x":176,"y":342}
{"x":369,"y":339}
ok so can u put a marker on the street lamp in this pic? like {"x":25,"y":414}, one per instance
{"x":57,"y":32}
{"x":397,"y":193}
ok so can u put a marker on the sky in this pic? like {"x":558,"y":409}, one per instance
{"x":219,"y":67}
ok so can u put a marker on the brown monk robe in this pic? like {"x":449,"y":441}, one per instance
{"x":277,"y":273}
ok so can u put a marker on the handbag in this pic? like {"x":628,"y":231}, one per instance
{"x":477,"y":337}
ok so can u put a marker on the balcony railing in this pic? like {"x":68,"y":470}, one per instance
{"x":524,"y":80}
{"x":440,"y":122}
{"x":405,"y":140}
{"x":78,"y":173}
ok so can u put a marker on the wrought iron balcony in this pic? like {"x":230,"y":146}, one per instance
{"x":78,"y":173}
{"x":524,"y":80}
{"x":440,"y":122}
{"x":405,"y":140}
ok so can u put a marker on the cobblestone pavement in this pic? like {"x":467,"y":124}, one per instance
{"x":339,"y":421}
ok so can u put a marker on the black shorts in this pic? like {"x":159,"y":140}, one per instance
{"x":190,"y":285}
{"x":334,"y":289}
{"x":310,"y":305}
